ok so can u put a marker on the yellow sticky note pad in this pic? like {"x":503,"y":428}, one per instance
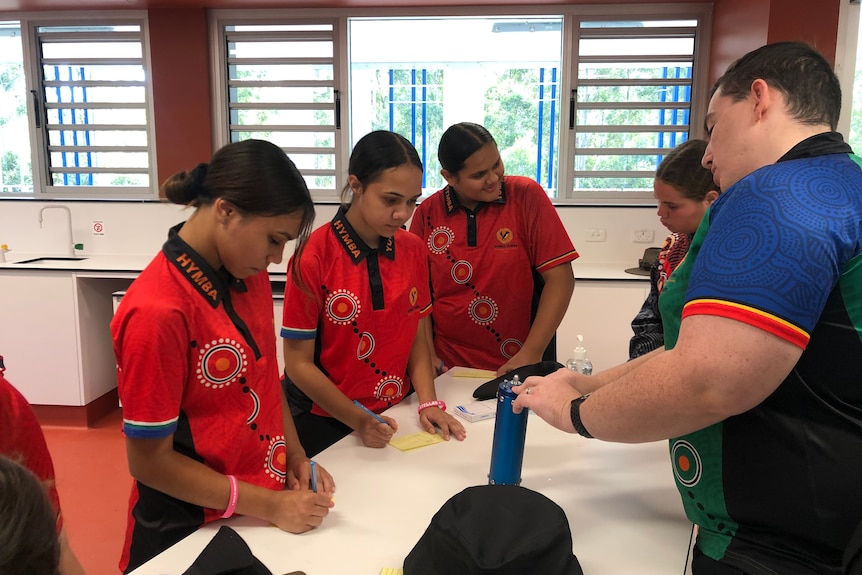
{"x":415,"y":440}
{"x":392,"y":571}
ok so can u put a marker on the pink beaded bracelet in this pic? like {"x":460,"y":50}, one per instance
{"x":435,"y":403}
{"x":234,"y":495}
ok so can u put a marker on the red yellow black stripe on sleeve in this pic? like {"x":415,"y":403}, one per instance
{"x":752,"y":316}
{"x":568,"y":256}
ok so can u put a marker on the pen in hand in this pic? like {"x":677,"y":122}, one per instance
{"x":313,"y":476}
{"x":369,"y":412}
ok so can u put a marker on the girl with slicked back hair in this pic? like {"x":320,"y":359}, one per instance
{"x":369,"y":285}
{"x":208,"y":431}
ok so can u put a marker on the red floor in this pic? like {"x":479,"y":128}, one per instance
{"x":93,"y":481}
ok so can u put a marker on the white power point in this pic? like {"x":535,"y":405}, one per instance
{"x":595,"y":235}
{"x":643,"y":236}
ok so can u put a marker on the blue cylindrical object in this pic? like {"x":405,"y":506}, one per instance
{"x":510,"y":431}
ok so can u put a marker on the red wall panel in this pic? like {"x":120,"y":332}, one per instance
{"x":813,"y":22}
{"x":179,"y":48}
{"x":738,"y":26}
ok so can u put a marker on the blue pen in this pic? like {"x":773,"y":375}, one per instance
{"x":313,"y":476}
{"x":369,"y":412}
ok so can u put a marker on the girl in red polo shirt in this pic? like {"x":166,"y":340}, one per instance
{"x":499,"y":256}
{"x":354,"y":329}
{"x":208,"y":432}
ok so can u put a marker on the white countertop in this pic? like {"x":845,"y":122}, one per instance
{"x":623,"y":508}
{"x":136,"y":263}
{"x":99,"y":263}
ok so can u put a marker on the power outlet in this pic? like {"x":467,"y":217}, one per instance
{"x":643,"y":236}
{"x":595,"y":235}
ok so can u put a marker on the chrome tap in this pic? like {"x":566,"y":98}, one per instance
{"x":70,"y":244}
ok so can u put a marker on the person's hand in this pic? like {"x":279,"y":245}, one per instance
{"x":299,"y":475}
{"x":520,"y":359}
{"x":298,"y":471}
{"x":440,"y":366}
{"x":299,"y":511}
{"x":376,"y":434}
{"x":434,"y":416}
{"x":550,"y":397}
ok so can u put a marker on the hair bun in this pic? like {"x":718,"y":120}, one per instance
{"x":197,"y":177}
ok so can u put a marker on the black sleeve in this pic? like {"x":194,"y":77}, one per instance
{"x":647,"y":326}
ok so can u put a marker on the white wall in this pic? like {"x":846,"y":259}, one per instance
{"x":129,"y":228}
{"x":140,"y":228}
{"x":600,"y":310}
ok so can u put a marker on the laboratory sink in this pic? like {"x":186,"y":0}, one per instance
{"x":52,"y":259}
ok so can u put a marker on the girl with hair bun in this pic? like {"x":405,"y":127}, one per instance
{"x":208,"y":431}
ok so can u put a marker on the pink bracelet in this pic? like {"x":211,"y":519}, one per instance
{"x":234,"y":495}
{"x":435,"y":403}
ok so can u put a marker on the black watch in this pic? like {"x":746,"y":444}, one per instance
{"x":575,"y":414}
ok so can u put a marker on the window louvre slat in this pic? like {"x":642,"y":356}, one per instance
{"x":633,"y":106}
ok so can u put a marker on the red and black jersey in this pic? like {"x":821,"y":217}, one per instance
{"x":482,"y":263}
{"x":364,"y":310}
{"x":196,"y":360}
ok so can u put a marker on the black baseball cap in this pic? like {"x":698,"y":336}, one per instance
{"x":495,"y":529}
{"x":227,"y":554}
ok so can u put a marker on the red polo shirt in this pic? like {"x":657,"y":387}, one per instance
{"x":364,"y":311}
{"x":22,"y":440}
{"x":196,"y":359}
{"x":481,"y":265}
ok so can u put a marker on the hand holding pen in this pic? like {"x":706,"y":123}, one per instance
{"x":320,"y":479}
{"x":299,"y":507}
{"x":375,"y":430}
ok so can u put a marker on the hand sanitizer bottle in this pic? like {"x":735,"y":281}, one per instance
{"x":579,"y":362}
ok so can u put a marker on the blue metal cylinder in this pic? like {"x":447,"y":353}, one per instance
{"x":510,"y":432}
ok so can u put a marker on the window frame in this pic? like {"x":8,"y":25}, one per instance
{"x":221,"y":124}
{"x":572,"y":14}
{"x":699,"y":90}
{"x":43,"y":188}
{"x":846,"y":50}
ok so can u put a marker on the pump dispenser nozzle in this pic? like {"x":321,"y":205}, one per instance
{"x":580,"y":352}
{"x":579,"y":361}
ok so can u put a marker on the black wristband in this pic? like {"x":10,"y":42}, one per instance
{"x":575,"y":414}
